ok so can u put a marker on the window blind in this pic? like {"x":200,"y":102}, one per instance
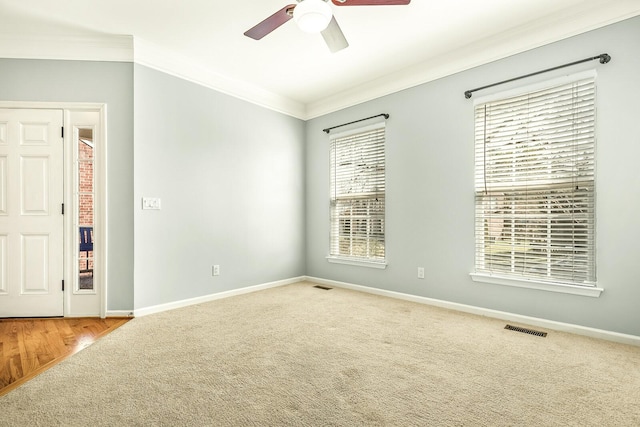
{"x":535,"y":185}
{"x":357,"y":168}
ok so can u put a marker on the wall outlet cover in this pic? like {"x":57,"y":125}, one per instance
{"x":151,"y":203}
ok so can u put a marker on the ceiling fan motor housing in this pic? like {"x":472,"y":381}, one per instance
{"x":312,"y":16}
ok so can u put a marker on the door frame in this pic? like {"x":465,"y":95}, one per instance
{"x":75,"y":303}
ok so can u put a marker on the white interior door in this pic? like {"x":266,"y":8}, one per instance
{"x":31,"y":220}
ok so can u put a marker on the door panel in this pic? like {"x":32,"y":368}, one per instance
{"x":3,"y":185}
{"x":34,"y":185}
{"x":31,"y":221}
{"x":4,"y":288}
{"x":35,"y":264}
{"x":34,"y":134}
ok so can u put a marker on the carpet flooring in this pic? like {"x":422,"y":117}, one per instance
{"x":302,"y":356}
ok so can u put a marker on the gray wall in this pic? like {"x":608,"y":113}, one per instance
{"x":230,"y":176}
{"x":247,"y":188}
{"x":430,"y":203}
{"x":100,"y":82}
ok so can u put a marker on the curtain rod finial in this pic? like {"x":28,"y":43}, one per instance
{"x":467,"y":94}
{"x":604,"y":58}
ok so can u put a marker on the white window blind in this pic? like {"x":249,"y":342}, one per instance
{"x":357,"y":194}
{"x":534,"y":185}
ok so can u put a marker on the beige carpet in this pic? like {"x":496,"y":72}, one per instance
{"x":301,"y":356}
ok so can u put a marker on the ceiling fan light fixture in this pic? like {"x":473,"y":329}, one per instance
{"x":312,"y":16}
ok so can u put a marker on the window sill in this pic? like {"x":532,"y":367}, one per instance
{"x":357,"y":262}
{"x":588,"y":291}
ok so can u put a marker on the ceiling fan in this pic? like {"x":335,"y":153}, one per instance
{"x":315,"y":16}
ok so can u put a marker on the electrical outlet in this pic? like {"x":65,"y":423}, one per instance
{"x":151,"y":203}
{"x":215,"y":271}
{"x":420,"y":272}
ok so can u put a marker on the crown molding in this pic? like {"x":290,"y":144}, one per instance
{"x":173,"y":64}
{"x":124,"y":48}
{"x":114,"y":48}
{"x":481,"y":52}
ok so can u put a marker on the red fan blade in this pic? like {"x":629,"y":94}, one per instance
{"x":333,"y":36}
{"x":370,"y":2}
{"x":271,"y":23}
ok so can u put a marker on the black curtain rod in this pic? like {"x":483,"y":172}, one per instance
{"x":604,"y":58}
{"x":327,"y":130}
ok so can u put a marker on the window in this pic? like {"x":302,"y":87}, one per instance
{"x":534,"y":186}
{"x":357,"y":196}
{"x":85,"y":194}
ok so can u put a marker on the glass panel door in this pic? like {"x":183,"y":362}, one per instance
{"x":85,"y":200}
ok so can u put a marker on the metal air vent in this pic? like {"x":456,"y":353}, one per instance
{"x":526,"y":331}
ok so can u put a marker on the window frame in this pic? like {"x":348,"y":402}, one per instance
{"x":338,"y":199}
{"x":523,"y":281}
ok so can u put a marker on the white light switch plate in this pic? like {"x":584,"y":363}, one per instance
{"x":151,"y":203}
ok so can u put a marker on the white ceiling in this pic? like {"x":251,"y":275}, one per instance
{"x":391,"y":47}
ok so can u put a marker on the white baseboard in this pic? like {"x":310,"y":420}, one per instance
{"x":212,"y":297}
{"x":512,"y":317}
{"x":119,"y":313}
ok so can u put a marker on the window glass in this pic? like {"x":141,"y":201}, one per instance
{"x":358,"y":194}
{"x":535,"y":186}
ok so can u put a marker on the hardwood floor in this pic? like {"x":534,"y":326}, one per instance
{"x":30,"y":346}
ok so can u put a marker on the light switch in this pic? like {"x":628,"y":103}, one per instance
{"x":151,"y":203}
